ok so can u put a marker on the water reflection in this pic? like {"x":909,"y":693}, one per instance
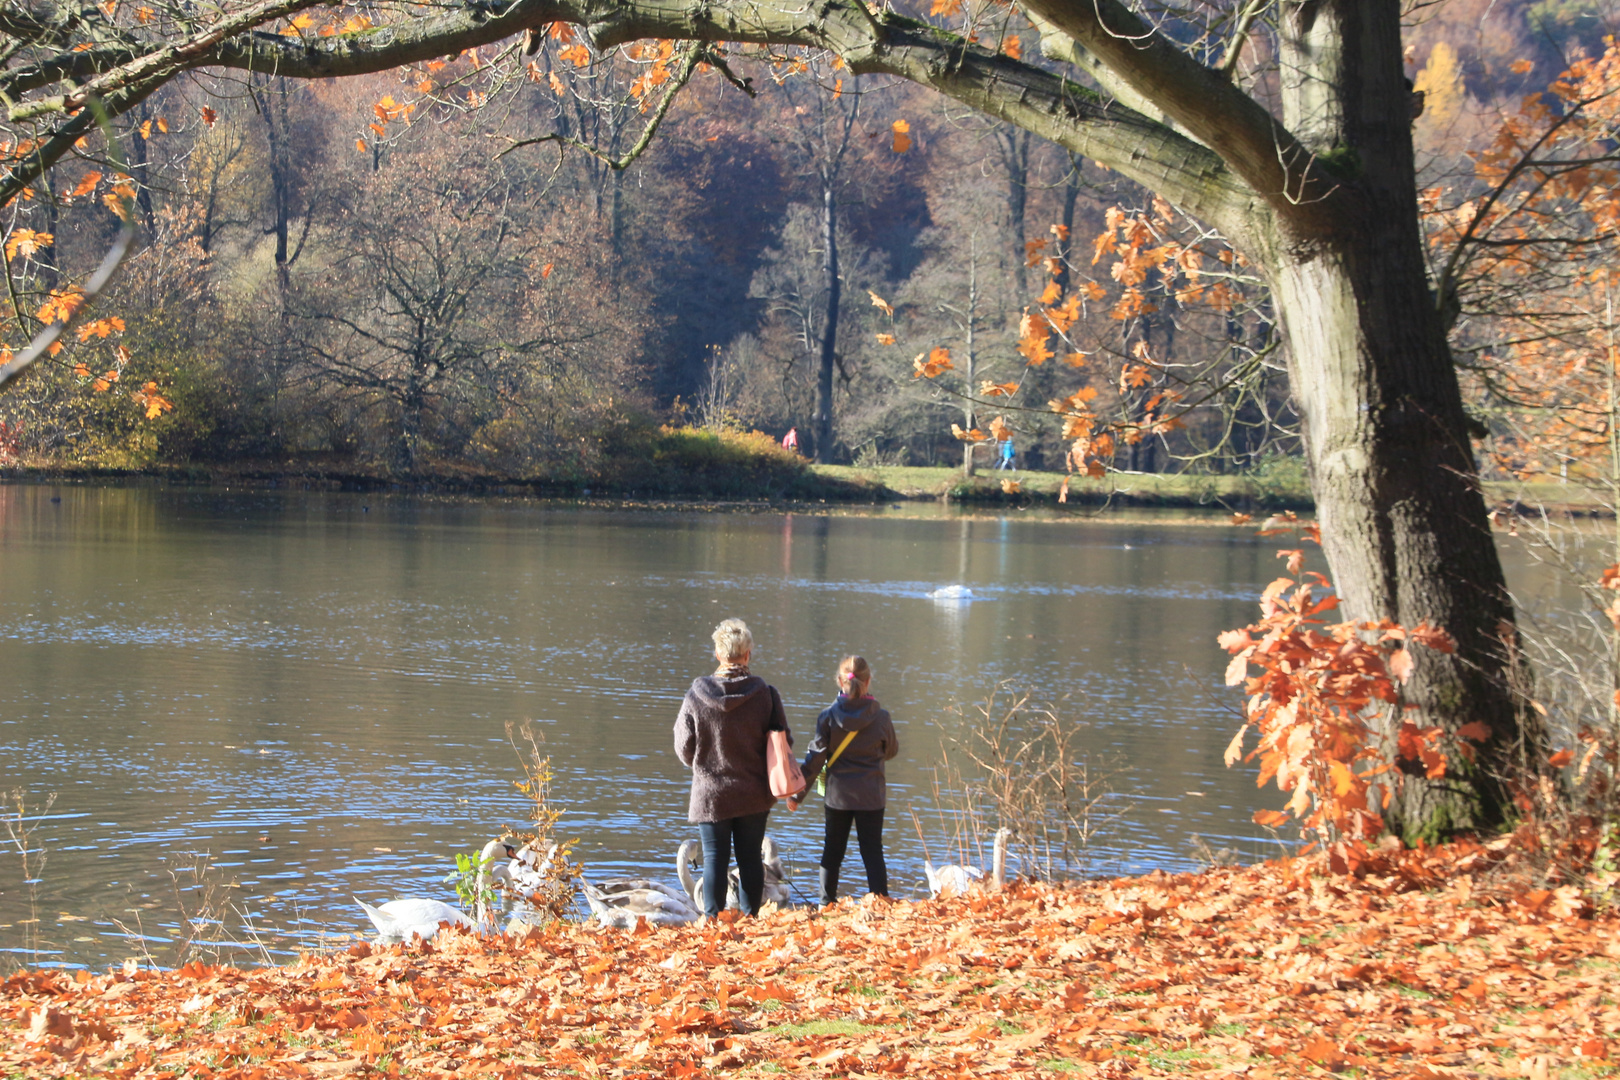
{"x":313,"y":688}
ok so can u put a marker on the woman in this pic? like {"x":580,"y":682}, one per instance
{"x":854,"y":738}
{"x":721,"y":735}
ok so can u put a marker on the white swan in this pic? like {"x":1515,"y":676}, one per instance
{"x":956,"y":880}
{"x":417,"y":917}
{"x":691,"y":852}
{"x":776,"y":890}
{"x":528,"y":877}
{"x":413,"y":917}
{"x":527,"y":872}
{"x":951,"y":592}
{"x":490,"y":867}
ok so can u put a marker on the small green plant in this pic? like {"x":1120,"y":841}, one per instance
{"x":471,"y":879}
{"x":1606,"y":859}
{"x":1604,"y":880}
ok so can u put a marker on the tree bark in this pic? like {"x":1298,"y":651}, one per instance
{"x":1012,"y":146}
{"x":272,"y":106}
{"x":1403,"y":521}
{"x":970,"y":365}
{"x":140,"y":168}
{"x":1065,"y":244}
{"x":829,"y":332}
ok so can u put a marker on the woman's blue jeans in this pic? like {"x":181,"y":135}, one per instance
{"x":744,"y":835}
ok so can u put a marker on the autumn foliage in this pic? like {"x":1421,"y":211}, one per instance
{"x":1274,"y":970}
{"x":1326,"y":704}
{"x":1524,"y":234}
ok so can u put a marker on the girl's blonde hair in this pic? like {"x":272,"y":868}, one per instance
{"x":854,"y":675}
{"x":732,"y":641}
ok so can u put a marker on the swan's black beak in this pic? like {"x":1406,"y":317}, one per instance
{"x":511,"y":852}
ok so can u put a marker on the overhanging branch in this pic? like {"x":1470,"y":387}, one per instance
{"x":1190,"y":175}
{"x":1252,"y":142}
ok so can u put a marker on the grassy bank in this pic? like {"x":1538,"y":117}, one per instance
{"x":651,"y":463}
{"x":638,"y":463}
{"x":1260,"y":491}
{"x":1265,"y":489}
{"x":1268,"y":971}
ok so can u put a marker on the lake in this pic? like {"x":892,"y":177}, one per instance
{"x":312,"y":689}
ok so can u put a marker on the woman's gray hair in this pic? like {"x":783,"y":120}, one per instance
{"x":732,"y":641}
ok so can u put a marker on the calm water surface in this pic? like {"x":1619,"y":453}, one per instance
{"x":313,"y":689}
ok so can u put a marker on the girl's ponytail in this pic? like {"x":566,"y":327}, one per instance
{"x":854,"y":673}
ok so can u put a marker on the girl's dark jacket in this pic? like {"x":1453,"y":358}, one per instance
{"x":721,"y":735}
{"x":855,"y":781}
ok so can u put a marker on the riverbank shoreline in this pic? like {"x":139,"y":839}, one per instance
{"x":1282,"y":969}
{"x":823,"y":486}
{"x":829,"y":484}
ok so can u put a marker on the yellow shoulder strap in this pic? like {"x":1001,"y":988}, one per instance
{"x":840,"y":749}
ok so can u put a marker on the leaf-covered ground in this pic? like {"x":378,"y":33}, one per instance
{"x":1276,"y":970}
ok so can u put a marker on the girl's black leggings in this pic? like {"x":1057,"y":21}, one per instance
{"x":869,"y":833}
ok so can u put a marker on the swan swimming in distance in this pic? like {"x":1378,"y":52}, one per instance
{"x":417,"y":917}
{"x":956,"y":880}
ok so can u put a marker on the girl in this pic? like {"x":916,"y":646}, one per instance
{"x":854,"y":737}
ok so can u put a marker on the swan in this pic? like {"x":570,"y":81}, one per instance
{"x":691,"y":851}
{"x":951,"y":592}
{"x":776,"y":890}
{"x":490,"y":869}
{"x":413,"y":917}
{"x":417,"y":917}
{"x":528,"y":877}
{"x":621,"y":901}
{"x":776,"y":875}
{"x":528,"y":870}
{"x":956,"y":880}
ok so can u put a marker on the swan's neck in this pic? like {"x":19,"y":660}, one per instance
{"x":487,"y":873}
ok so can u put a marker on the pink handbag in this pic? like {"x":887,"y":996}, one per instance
{"x":786,"y":776}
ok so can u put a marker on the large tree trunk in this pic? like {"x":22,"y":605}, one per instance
{"x":1012,"y":146}
{"x":829,"y":331}
{"x":1374,"y":383}
{"x":273,"y":107}
{"x":140,"y":167}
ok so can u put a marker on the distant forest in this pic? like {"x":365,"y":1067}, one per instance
{"x":348,"y":273}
